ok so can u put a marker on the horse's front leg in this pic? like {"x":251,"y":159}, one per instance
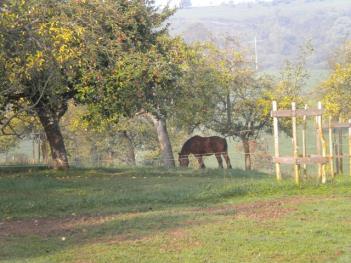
{"x":201,"y":162}
{"x":219,"y":159}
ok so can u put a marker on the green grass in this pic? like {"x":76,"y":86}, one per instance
{"x":149,"y":215}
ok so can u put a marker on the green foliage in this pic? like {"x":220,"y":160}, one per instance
{"x":199,"y":84}
{"x":40,"y":58}
{"x":143,"y":81}
{"x":337,"y":93}
{"x":132,"y":60}
{"x":40,"y":54}
{"x":89,"y":143}
{"x":7,"y":143}
{"x":336,"y":89}
{"x":55,"y":51}
{"x":225,"y":94}
{"x":225,"y":84}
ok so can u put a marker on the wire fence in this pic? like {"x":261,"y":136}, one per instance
{"x":261,"y":155}
{"x":29,"y":157}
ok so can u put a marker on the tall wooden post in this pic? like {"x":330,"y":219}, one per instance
{"x":294,"y":142}
{"x":323,"y":144}
{"x":318,"y":147}
{"x":340,"y":147}
{"x":304,"y":150}
{"x":276,"y":141}
{"x":350,"y":147}
{"x":336,"y":154}
{"x":331,"y":154}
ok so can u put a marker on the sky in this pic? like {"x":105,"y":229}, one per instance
{"x":202,"y":2}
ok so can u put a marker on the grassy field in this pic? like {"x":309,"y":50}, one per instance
{"x":148,"y":215}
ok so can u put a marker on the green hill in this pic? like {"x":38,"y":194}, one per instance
{"x":281,"y":27}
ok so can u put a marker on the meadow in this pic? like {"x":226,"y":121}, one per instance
{"x":183,"y":215}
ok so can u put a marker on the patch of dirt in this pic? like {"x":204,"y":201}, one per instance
{"x":178,"y":241}
{"x":260,"y":210}
{"x":48,"y":226}
{"x":178,"y":233}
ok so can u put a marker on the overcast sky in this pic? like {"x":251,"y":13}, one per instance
{"x":203,"y":2}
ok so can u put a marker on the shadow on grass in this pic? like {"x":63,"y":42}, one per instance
{"x":110,"y":191}
{"x":114,"y":229}
{"x":14,"y":169}
{"x":176,"y":172}
{"x":128,"y":172}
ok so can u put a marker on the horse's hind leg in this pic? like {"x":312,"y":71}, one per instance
{"x":219,"y":159}
{"x":227,"y":160}
{"x":201,"y":162}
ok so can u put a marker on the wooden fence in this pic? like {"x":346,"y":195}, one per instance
{"x":319,"y":158}
{"x":336,"y":156}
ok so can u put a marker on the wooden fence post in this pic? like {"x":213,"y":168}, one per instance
{"x":323,"y":144}
{"x":350,"y":147}
{"x":304,"y":150}
{"x":294,"y":142}
{"x":276,"y":141}
{"x":318,"y":147}
{"x":341,"y":151}
{"x":331,"y":155}
{"x":336,"y":154}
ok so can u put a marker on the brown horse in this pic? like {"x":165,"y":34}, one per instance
{"x":204,"y":146}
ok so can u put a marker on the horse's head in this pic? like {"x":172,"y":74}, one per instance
{"x":183,"y":160}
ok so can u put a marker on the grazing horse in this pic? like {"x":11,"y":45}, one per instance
{"x":204,"y":146}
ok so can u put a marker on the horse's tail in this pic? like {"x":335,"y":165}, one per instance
{"x":225,"y":145}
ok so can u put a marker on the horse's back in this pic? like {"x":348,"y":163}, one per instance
{"x":202,"y":145}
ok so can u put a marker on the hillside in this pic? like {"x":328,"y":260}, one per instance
{"x":281,"y":27}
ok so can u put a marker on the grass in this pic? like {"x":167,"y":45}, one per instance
{"x":158,"y":215}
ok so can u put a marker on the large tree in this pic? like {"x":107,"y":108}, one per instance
{"x":148,"y":83}
{"x":336,"y":90}
{"x":53,"y":51}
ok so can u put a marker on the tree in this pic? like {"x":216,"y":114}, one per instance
{"x":239,"y":98}
{"x":99,"y":139}
{"x":336,"y":90}
{"x":54,"y":51}
{"x":7,"y":143}
{"x":145,"y":82}
{"x":36,"y":55}
{"x":224,"y":95}
{"x":200,"y":84}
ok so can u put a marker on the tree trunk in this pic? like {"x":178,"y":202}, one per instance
{"x":39,"y":147}
{"x":44,"y":151}
{"x":229,"y":111}
{"x":341,"y":152}
{"x":246,"y":146}
{"x":130,"y":154}
{"x":163,"y":138}
{"x":54,"y":137}
{"x":94,"y":154}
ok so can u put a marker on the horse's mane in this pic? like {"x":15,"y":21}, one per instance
{"x":187,"y":145}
